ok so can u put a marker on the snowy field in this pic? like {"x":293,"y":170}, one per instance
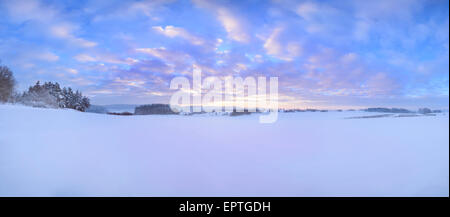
{"x":49,"y":152}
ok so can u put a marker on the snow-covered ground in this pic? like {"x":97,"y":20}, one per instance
{"x":50,"y":152}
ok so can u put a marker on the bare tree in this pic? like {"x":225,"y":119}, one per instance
{"x":7,"y":83}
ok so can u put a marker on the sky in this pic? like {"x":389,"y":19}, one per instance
{"x":326,"y":54}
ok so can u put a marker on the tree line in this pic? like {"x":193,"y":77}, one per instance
{"x":48,"y":95}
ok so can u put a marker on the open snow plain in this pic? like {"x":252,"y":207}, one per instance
{"x":49,"y":152}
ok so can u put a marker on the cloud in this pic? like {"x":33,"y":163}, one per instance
{"x":126,"y":10}
{"x":25,"y":10}
{"x":174,"y":57}
{"x":400,"y":10}
{"x":320,"y":50}
{"x":47,"y":56}
{"x":331,"y":73}
{"x":232,"y":25}
{"x":380,"y":84}
{"x":129,"y":82}
{"x":172,"y":32}
{"x":49,"y":20}
{"x":307,"y":10}
{"x":72,"y":71}
{"x":285,"y":51}
{"x":231,"y":22}
{"x":66,"y":31}
{"x":85,"y":58}
{"x":104,"y":57}
{"x":349,"y":58}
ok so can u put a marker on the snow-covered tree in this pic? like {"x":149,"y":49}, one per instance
{"x":7,"y":83}
{"x":51,"y":95}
